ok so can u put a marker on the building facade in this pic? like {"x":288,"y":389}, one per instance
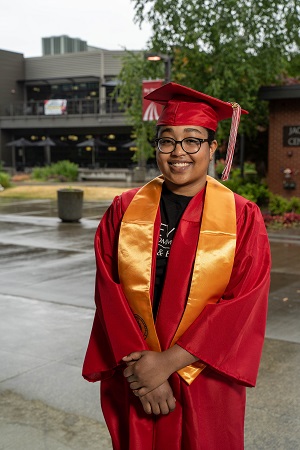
{"x":57,"y":45}
{"x":64,"y":100}
{"x":284,"y":139}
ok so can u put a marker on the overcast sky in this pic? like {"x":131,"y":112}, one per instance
{"x":102,"y":23}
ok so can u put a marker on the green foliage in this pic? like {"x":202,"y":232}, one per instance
{"x":135,"y":69}
{"x":257,"y":193}
{"x":250,"y":186}
{"x":4,"y":180}
{"x":226,"y":48}
{"x":294,"y":205}
{"x":279,"y":205}
{"x":219,"y":167}
{"x":60,"y":171}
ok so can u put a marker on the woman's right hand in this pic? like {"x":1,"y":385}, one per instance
{"x":159,"y":401}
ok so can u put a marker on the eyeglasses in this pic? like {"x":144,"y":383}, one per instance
{"x":189,"y":145}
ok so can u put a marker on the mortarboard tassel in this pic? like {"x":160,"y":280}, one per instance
{"x":236,"y":114}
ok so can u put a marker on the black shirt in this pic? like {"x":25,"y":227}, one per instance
{"x":172,"y":207}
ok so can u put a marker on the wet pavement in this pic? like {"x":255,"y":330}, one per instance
{"x":46,"y":311}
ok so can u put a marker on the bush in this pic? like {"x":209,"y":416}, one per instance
{"x":39,"y":173}
{"x":281,"y":211}
{"x":278,"y":205}
{"x":281,"y":205}
{"x":257,"y":193}
{"x":4,"y":180}
{"x":294,"y":205}
{"x":60,"y":171}
{"x":249,"y":186}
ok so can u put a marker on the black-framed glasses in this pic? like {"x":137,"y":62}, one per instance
{"x":189,"y":145}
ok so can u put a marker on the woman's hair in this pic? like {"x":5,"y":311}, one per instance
{"x":210,"y":137}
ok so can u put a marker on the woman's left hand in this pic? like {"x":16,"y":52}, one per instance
{"x":147,"y":372}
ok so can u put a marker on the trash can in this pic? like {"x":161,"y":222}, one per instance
{"x":69,"y":204}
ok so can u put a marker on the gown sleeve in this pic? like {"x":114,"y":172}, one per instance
{"x":228,"y":336}
{"x":115,"y":332}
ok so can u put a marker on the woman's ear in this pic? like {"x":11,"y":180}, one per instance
{"x":212,"y":148}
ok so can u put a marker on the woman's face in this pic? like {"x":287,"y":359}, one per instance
{"x":184,"y":173}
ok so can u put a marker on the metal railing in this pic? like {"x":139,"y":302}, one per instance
{"x":108,"y":106}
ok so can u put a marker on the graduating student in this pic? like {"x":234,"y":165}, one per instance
{"x":181,"y":293}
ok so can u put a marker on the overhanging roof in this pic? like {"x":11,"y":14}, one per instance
{"x":73,"y":80}
{"x":279,"y":92}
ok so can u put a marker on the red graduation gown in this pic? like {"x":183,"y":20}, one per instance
{"x":227,"y":336}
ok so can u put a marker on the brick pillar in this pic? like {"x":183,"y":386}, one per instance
{"x":283,"y":113}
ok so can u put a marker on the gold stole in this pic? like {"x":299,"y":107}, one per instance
{"x":212,"y":267}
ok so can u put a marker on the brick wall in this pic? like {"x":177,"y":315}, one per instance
{"x":283,"y":113}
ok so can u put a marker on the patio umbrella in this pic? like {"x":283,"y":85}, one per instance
{"x":22,"y":142}
{"x":47,"y":144}
{"x":130,"y":144}
{"x":94,"y":143}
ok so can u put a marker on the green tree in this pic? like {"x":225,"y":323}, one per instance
{"x":135,"y":69}
{"x":226,"y":48}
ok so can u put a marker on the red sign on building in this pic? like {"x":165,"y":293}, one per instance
{"x":151,"y":111}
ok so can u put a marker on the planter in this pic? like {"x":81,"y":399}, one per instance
{"x":69,"y":204}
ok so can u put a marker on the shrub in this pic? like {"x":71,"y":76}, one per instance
{"x":4,"y":180}
{"x":294,"y":205}
{"x":282,"y":212}
{"x":60,"y":171}
{"x":257,"y":193}
{"x":38,"y":173}
{"x":249,"y":186}
{"x":277,"y":205}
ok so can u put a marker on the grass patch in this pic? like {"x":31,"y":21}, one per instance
{"x":91,"y":193}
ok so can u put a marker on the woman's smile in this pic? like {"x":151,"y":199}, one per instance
{"x":185,"y":173}
{"x":179,"y":164}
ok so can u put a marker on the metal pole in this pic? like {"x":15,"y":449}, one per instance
{"x":13,"y":158}
{"x":47,"y":153}
{"x":168,"y":69}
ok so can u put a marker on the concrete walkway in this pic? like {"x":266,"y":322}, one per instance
{"x":46,"y":312}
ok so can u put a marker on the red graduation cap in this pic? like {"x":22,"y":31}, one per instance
{"x":185,"y":106}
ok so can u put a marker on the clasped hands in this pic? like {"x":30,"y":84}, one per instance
{"x":147,"y":373}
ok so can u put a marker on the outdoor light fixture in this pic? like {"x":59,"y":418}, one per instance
{"x":154,"y":58}
{"x":167,"y":59}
